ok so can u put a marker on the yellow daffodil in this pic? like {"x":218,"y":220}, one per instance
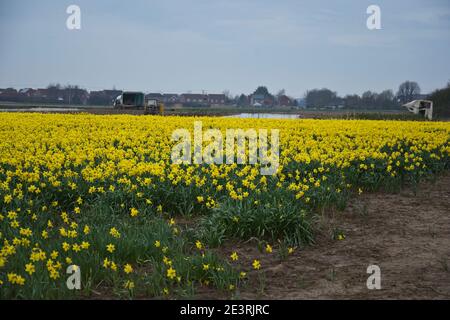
{"x":234,"y":256}
{"x":128,"y":268}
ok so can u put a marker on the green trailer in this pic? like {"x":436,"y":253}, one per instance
{"x":129,"y":99}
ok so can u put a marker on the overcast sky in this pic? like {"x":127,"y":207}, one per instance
{"x":213,"y":45}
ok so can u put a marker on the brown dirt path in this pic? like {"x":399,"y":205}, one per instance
{"x":406,"y":235}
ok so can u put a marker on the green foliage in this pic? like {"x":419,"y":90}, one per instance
{"x":273,"y":218}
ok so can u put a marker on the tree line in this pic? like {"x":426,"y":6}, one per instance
{"x":441,"y":102}
{"x":316,"y":98}
{"x":58,"y":94}
{"x":386,"y":99}
{"x":326,"y":98}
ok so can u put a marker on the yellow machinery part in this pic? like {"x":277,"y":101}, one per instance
{"x":161,"y":108}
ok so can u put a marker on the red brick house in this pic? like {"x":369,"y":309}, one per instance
{"x":284,"y":100}
{"x":194,"y":99}
{"x":217,"y":99}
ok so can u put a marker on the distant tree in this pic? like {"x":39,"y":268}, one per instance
{"x":228,"y":95}
{"x":352,"y":101}
{"x":371,"y":100}
{"x":263,"y":91}
{"x":321,"y":98}
{"x":386,"y":95}
{"x":53,"y":92}
{"x":9,"y":94}
{"x":368,"y":99}
{"x":407,"y":91}
{"x":386,"y":100}
{"x":441,"y":102}
{"x":54,"y":86}
{"x":242,"y":101}
{"x":73,"y":94}
{"x":280,"y":93}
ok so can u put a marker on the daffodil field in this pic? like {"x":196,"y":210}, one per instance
{"x":101,"y":193}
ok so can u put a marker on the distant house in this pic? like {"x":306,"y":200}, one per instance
{"x":217,"y":99}
{"x":194,"y":99}
{"x":170,"y":98}
{"x":41,"y":93}
{"x":167,"y":98}
{"x":9,"y":94}
{"x":269,"y":101}
{"x":285,"y":101}
{"x":9,"y":91}
{"x":27,"y":92}
{"x":257,"y":100}
{"x":261,"y":100}
{"x":301,"y":102}
{"x":189,"y":99}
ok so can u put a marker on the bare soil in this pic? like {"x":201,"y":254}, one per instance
{"x":407,"y":235}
